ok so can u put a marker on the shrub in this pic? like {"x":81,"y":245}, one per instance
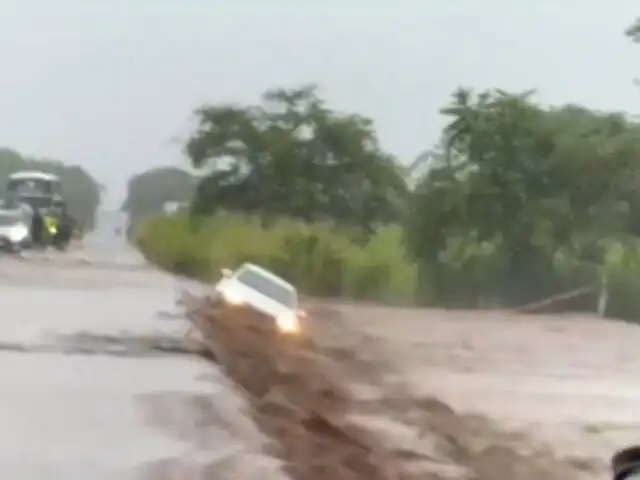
{"x":381,"y":269}
{"x":320,"y":259}
{"x":325,"y":261}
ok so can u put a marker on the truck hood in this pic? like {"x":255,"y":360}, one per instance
{"x":15,"y":232}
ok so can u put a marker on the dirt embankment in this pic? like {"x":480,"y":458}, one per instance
{"x":333,"y":408}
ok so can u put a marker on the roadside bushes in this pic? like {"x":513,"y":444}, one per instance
{"x":318,"y":258}
{"x":324,"y":261}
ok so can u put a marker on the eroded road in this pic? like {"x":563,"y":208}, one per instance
{"x":93,"y":382}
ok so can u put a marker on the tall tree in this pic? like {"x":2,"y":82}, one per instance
{"x":633,"y":32}
{"x":520,"y":183}
{"x":293,"y":155}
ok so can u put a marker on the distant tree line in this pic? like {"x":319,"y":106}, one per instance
{"x":149,"y":191}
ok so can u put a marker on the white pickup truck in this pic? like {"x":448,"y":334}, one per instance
{"x":254,"y":287}
{"x":14,"y":230}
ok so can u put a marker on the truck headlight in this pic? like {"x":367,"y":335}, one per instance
{"x":288,"y":323}
{"x":18,"y":232}
{"x":232,"y":296}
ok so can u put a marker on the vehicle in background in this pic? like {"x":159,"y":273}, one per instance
{"x":14,"y":231}
{"x":40,"y":191}
{"x":254,"y":287}
{"x":34,"y":188}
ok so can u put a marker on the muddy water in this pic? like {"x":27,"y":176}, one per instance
{"x":84,"y":393}
{"x":569,"y":381}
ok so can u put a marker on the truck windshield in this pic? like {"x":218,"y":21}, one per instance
{"x":267,"y":287}
{"x":37,"y":202}
{"x":9,"y":218}
{"x":34,"y":186}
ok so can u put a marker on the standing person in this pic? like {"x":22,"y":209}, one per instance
{"x":65,"y":223}
{"x":37,"y":227}
{"x":50,"y":225}
{"x":69,"y":222}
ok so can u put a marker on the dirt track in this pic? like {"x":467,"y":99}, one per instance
{"x":369,"y":395}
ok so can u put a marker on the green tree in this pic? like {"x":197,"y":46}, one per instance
{"x":81,"y":191}
{"x":292,"y":155}
{"x":519,"y":183}
{"x":633,"y":32}
{"x":148,"y":191}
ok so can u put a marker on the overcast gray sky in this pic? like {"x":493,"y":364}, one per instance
{"x":109,"y":84}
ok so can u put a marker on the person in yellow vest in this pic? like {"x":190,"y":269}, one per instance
{"x":51,"y":225}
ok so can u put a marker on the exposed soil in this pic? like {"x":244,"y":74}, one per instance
{"x":339,"y":403}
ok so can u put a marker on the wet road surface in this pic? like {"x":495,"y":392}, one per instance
{"x":85,"y":391}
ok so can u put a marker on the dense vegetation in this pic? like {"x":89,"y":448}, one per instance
{"x":314,"y":256}
{"x":293,"y":156}
{"x":82,"y":192}
{"x":519,"y":202}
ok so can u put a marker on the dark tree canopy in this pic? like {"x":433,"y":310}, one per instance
{"x":293,"y":155}
{"x":519,"y":184}
{"x":633,"y":32}
{"x":81,"y":191}
{"x":148,"y":191}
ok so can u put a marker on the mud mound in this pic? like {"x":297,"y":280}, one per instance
{"x":334,"y":409}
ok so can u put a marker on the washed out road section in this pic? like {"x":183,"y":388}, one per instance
{"x":84,"y":392}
